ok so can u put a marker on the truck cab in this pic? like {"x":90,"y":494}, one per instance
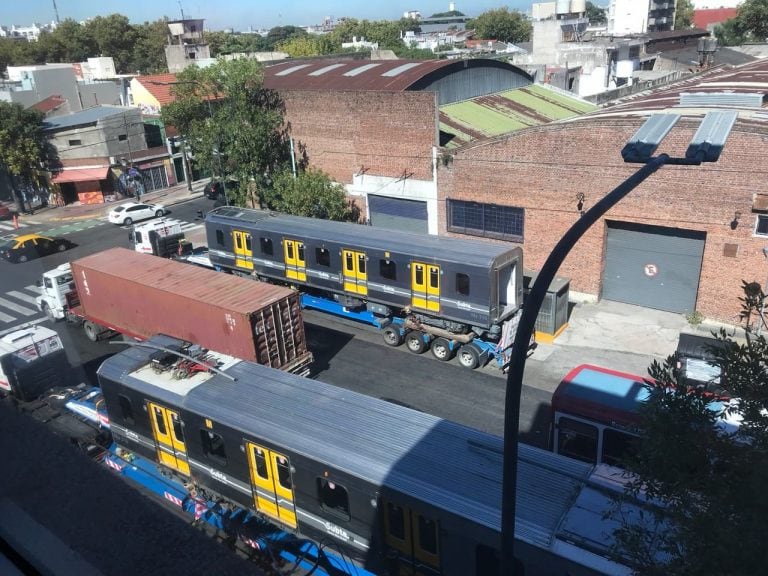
{"x":162,"y":238}
{"x":54,"y":287}
{"x":32,"y":360}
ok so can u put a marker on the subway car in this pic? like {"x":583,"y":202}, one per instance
{"x":453,"y":285}
{"x":396,"y":490}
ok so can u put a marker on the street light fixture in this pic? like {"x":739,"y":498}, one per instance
{"x":706,"y":146}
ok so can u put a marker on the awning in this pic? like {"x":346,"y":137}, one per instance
{"x":81,"y":175}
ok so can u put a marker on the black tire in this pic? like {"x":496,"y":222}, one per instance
{"x":22,"y":258}
{"x":92,"y":331}
{"x":414,"y":341}
{"x":127,"y":221}
{"x":441,"y":349}
{"x":468,"y":356}
{"x":61,"y":247}
{"x":160,"y":213}
{"x":392,"y":336}
{"x":48,"y":312}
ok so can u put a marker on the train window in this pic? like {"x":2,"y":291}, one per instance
{"x":177,"y":432}
{"x":160,"y":421}
{"x":220,"y":237}
{"x":419,"y":275}
{"x":434,"y":277}
{"x":261,"y":463}
{"x":462,"y":284}
{"x":388,"y":269}
{"x":361,"y":263}
{"x":213,"y":446}
{"x":333,"y":497}
{"x":266,"y":246}
{"x":283,"y":472}
{"x":301,"y":252}
{"x":348,"y":262}
{"x":322,"y":257}
{"x":289,"y":250}
{"x":126,"y":409}
{"x":427,"y":534}
{"x":577,"y":440}
{"x":396,"y":521}
{"x":238,"y":242}
{"x":617,"y":446}
{"x":248,"y":244}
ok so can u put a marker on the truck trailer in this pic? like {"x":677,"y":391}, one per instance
{"x":32,"y":360}
{"x":139,"y":295}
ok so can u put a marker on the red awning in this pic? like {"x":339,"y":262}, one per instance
{"x":81,"y":175}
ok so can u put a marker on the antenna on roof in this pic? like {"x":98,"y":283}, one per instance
{"x":182,"y":10}
{"x":56,"y":11}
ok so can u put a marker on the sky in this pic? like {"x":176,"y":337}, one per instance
{"x":238,"y":14}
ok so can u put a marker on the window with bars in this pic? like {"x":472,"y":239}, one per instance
{"x":486,"y":220}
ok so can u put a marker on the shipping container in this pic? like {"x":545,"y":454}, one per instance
{"x":140,"y":295}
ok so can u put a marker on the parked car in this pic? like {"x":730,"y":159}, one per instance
{"x":30,"y":246}
{"x":697,"y":362}
{"x":130,"y":212}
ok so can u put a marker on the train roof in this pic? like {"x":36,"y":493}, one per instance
{"x":446,"y":464}
{"x":444,"y":247}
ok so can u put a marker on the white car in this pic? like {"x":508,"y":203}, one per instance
{"x":131,"y":212}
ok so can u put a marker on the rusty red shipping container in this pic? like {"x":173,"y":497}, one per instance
{"x":142,"y":295}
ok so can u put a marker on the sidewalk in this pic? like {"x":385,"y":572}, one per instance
{"x":73,"y":212}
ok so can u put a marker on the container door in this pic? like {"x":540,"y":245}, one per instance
{"x":243,"y":249}
{"x":169,"y":438}
{"x":355,"y":272}
{"x":425,"y":286}
{"x":414,"y":537}
{"x":295,"y":262}
{"x":271,"y":484}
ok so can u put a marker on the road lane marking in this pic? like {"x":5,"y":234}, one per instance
{"x":16,"y":307}
{"x":22,"y":297}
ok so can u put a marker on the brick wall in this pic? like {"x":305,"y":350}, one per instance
{"x":543,"y":169}
{"x":381,"y":133}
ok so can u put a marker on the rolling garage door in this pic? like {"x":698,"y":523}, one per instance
{"x":398,"y":214}
{"x":653,"y":266}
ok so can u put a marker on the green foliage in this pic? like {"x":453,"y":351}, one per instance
{"x":385,"y":32}
{"x":501,"y":24}
{"x":753,"y":17}
{"x":694,"y":318}
{"x":408,"y":53}
{"x":282,"y":33}
{"x":232,"y":123}
{"x":595,"y":14}
{"x":312,"y":193}
{"x":712,"y":483}
{"x":683,"y":14}
{"x":731,"y":33}
{"x":305,"y":46}
{"x":451,"y":14}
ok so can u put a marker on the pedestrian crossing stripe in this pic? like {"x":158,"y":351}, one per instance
{"x":18,"y":306}
{"x":185,"y":226}
{"x":5,"y":225}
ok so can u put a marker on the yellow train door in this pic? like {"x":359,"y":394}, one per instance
{"x":169,"y":438}
{"x":414,"y":537}
{"x":272,"y":484}
{"x":425,"y":286}
{"x":295,"y":262}
{"x":355,"y":271}
{"x":243,"y":249}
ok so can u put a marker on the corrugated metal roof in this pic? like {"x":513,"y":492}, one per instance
{"x":89,"y":116}
{"x":385,"y":75}
{"x":229,"y":292}
{"x":487,"y":116}
{"x":722,"y":99}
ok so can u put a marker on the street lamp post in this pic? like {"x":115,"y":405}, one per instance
{"x":706,"y":146}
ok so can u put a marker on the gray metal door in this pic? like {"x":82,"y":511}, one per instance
{"x":398,"y":214}
{"x":653,"y":266}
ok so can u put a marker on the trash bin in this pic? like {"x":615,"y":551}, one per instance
{"x":553,"y":314}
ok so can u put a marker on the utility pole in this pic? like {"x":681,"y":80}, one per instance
{"x":130,"y":157}
{"x":56,"y":11}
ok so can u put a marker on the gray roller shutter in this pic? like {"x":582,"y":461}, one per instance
{"x":398,"y":214}
{"x":653,"y":266}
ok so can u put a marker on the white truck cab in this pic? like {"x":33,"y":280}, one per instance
{"x":54,"y":287}
{"x":161,"y":237}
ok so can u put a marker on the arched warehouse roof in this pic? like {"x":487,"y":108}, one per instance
{"x":453,"y":80}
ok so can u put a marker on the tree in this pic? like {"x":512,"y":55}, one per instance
{"x":683,"y":14}
{"x":595,"y":14}
{"x":501,"y":24}
{"x":731,"y":33}
{"x":711,"y":483}
{"x":753,"y":16}
{"x":384,"y":32}
{"x":112,"y":36}
{"x":280,"y":34}
{"x":69,"y":42}
{"x":23,"y":146}
{"x":311,"y":193}
{"x":233,"y":124}
{"x":148,"y":53}
{"x":450,"y":14}
{"x":303,"y":46}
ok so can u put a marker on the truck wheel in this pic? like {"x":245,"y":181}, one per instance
{"x":414,"y":341}
{"x":469,"y":356}
{"x":441,"y":349}
{"x":48,"y":312}
{"x":392,"y":336}
{"x":127,"y":221}
{"x":92,"y":331}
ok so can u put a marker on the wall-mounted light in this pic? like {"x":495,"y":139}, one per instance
{"x":736,"y":218}
{"x":580,"y":201}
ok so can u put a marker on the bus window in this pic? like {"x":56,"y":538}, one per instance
{"x":617,"y":446}
{"x":577,"y":439}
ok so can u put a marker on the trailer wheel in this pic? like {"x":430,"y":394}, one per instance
{"x":392,"y":336}
{"x":414,"y":341}
{"x":441,"y":349}
{"x":469,"y":356}
{"x":92,"y":331}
